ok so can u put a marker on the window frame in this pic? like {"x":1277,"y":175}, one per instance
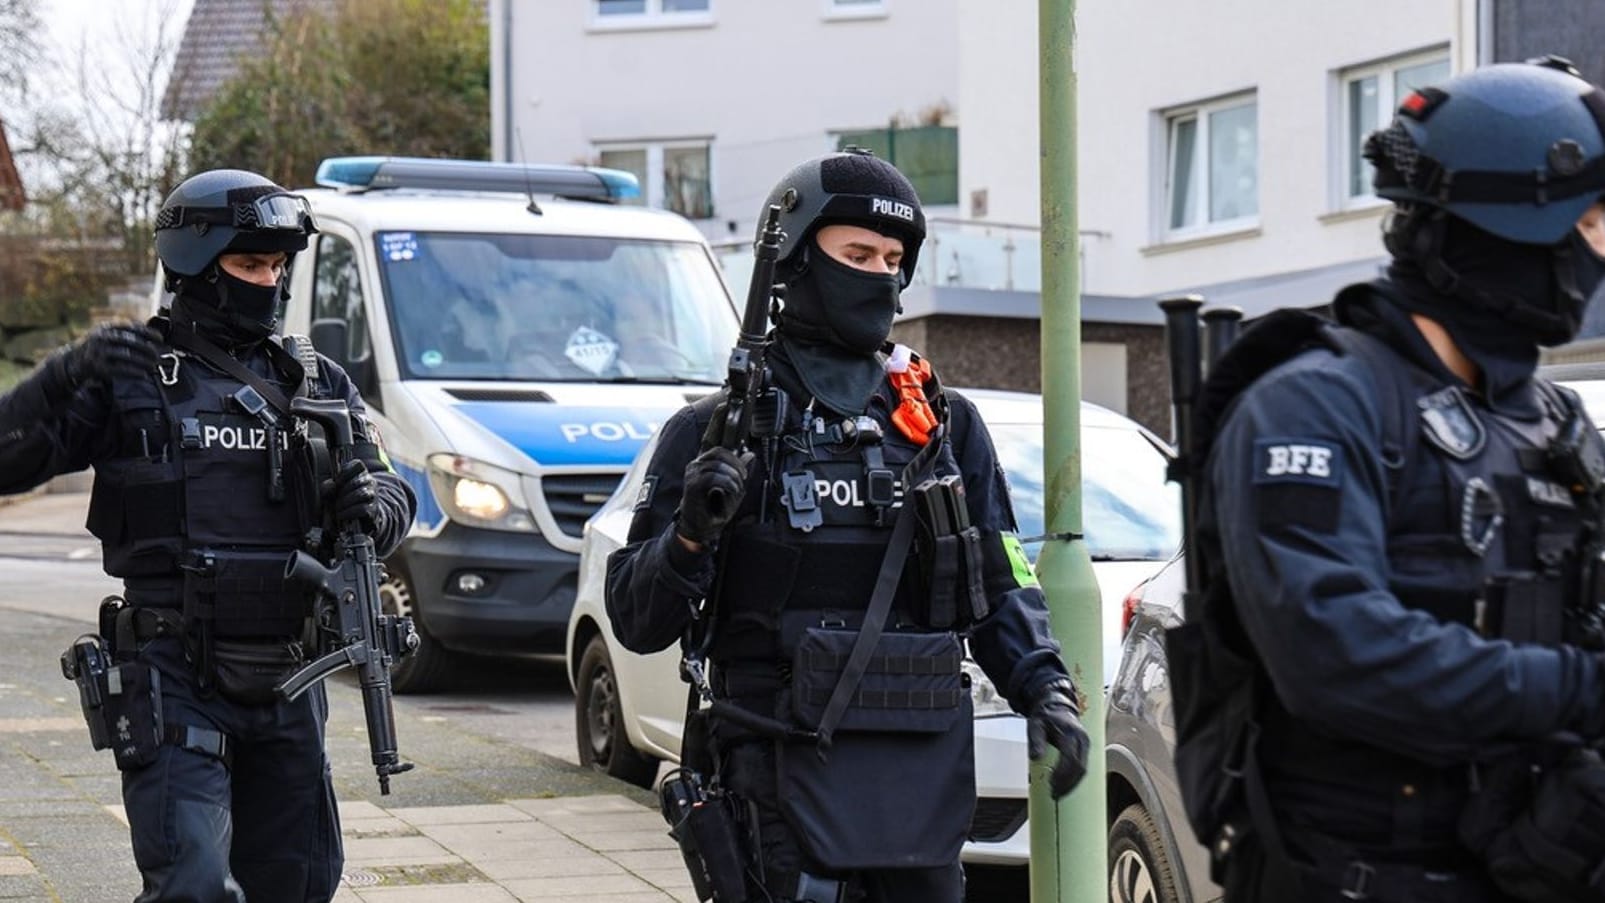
{"x":655,"y":17}
{"x":654,"y":192}
{"x":363,"y":322}
{"x":1165,"y":124}
{"x":837,"y":11}
{"x":1343,"y":150}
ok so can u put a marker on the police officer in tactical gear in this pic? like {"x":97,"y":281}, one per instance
{"x":202,"y":488}
{"x":1400,"y":525}
{"x":847,"y":781}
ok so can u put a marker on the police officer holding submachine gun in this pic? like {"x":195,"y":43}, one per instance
{"x":236,"y":482}
{"x":1390,"y":683}
{"x":822,"y":536}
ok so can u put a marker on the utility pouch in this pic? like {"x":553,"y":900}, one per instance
{"x":1523,"y":608}
{"x":1542,"y":833}
{"x":947,"y":557}
{"x":247,"y":673}
{"x":897,"y":788}
{"x":244,"y":594}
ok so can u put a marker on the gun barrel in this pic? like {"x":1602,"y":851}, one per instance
{"x":1221,"y":326}
{"x":1183,"y":340}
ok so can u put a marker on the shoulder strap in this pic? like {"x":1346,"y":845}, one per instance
{"x":198,"y":345}
{"x":300,"y":348}
{"x":1396,"y":400}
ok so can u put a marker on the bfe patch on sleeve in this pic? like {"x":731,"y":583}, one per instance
{"x":1308,"y":461}
{"x":1297,"y":481}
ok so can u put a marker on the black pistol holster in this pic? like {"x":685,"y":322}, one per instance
{"x":702,"y":822}
{"x":122,"y":703}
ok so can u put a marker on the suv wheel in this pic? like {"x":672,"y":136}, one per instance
{"x":604,"y":744}
{"x":429,"y":667}
{"x":1138,"y":869}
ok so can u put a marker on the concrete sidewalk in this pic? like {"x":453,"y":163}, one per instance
{"x":462,"y":827}
{"x":583,"y":849}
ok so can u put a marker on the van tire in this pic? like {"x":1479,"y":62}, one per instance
{"x":430,"y":667}
{"x":603,"y":741}
{"x":1139,"y":871}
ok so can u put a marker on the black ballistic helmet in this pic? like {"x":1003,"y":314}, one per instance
{"x":851,"y":187}
{"x":225,"y":210}
{"x":1515,"y":149}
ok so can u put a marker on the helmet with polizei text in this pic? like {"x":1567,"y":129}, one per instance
{"x":852,"y":187}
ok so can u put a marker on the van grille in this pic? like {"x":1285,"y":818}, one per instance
{"x":996,"y":818}
{"x":574,"y":497}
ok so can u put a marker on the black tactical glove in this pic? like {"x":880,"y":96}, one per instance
{"x":1053,"y":720}
{"x":715,"y":481}
{"x":112,"y":351}
{"x":356,"y":497}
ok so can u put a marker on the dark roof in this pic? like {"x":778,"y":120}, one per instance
{"x":12,"y":197}
{"x":217,"y":33}
{"x":1256,"y":296}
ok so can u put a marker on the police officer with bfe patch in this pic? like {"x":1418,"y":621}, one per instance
{"x":203,"y":488}
{"x":1390,"y":683}
{"x":824,"y":573}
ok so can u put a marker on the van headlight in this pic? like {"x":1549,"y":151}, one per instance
{"x":477,"y":494}
{"x":984,"y":695}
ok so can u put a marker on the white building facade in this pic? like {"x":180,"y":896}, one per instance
{"x":710,"y":101}
{"x":1218,"y":142}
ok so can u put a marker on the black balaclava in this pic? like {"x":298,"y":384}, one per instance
{"x":226,"y":309}
{"x":1506,"y":300}
{"x":836,"y":317}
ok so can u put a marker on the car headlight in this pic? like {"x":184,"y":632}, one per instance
{"x":477,"y":494}
{"x":984,"y":694}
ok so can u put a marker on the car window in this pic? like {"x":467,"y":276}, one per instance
{"x":1592,"y":392}
{"x":555,"y":307}
{"x":1128,"y":510}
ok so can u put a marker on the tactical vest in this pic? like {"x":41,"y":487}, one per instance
{"x":1483,"y":530}
{"x":201,"y":502}
{"x":809,"y":544}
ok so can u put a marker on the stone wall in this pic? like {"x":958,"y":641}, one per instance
{"x":1006,"y":353}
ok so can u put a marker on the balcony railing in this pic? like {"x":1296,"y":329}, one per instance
{"x":961,"y":253}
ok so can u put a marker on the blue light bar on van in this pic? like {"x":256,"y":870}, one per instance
{"x":583,"y":182}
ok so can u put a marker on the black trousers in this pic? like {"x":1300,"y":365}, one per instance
{"x":263,"y":829}
{"x":749,"y":771}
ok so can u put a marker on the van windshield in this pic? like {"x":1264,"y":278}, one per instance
{"x":555,"y":308}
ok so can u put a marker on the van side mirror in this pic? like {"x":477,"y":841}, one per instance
{"x":331,"y":337}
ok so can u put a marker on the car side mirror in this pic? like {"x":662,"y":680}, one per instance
{"x":331,"y":337}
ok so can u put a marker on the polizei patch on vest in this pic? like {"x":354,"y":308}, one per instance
{"x":1308,"y":462}
{"x":1449,"y":423}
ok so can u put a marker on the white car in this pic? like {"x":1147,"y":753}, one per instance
{"x":630,"y":708}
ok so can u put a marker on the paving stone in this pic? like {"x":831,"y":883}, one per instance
{"x":454,"y":893}
{"x":16,"y":865}
{"x":453,"y":836}
{"x":627,"y":840}
{"x":610,"y":886}
{"x":376,"y":827}
{"x":588,"y":863}
{"x":637,"y":860}
{"x":381,"y":851}
{"x":578,"y":805}
{"x":460,"y":815}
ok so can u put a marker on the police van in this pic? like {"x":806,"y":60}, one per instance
{"x":517,"y":335}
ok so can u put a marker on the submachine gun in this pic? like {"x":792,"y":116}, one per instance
{"x":699,"y":813}
{"x":352,"y":629}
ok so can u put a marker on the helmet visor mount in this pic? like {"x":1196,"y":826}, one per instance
{"x":276,"y":212}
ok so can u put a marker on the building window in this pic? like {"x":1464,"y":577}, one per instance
{"x":855,"y":9}
{"x":675,"y":176}
{"x":1212,"y":166}
{"x":629,"y":14}
{"x":928,"y":155}
{"x":1370,"y":94}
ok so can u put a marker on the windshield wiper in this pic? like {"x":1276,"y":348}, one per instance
{"x":661,"y":380}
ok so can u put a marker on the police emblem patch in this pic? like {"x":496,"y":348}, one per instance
{"x":1448,"y":422}
{"x":1312,"y":462}
{"x":643,"y":498}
